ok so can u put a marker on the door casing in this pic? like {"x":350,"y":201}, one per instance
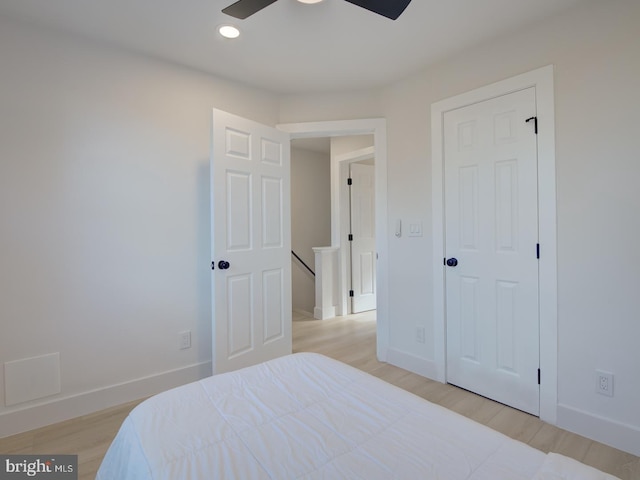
{"x":542,"y":80}
{"x":378,"y":128}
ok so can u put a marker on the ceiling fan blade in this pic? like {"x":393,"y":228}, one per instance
{"x":388,"y":8}
{"x":245,"y":8}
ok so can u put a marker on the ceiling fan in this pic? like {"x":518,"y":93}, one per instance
{"x":387,"y":8}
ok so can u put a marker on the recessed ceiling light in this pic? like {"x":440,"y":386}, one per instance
{"x":309,"y":1}
{"x":228,"y":31}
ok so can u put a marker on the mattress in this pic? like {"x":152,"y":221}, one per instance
{"x":306,"y":416}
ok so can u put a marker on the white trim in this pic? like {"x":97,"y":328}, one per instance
{"x":542,"y":80}
{"x":418,"y":365}
{"x":357,"y":155}
{"x":604,"y":430}
{"x":378,"y":128}
{"x":60,"y":409}
{"x":303,"y":312}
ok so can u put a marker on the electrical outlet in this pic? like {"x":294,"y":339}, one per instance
{"x":185,"y":339}
{"x":604,"y":383}
{"x":420,"y":334}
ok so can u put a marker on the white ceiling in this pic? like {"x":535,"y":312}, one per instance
{"x":289,"y":47}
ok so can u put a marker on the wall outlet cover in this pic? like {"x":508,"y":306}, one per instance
{"x":604,"y":383}
{"x":185,"y":339}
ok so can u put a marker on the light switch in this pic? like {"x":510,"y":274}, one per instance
{"x":415,"y":229}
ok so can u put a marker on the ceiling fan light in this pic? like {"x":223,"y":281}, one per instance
{"x":228,"y":31}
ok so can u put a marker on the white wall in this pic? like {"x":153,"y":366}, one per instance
{"x":104,"y":204}
{"x":104,"y":211}
{"x":594,"y":49}
{"x":310,"y":220}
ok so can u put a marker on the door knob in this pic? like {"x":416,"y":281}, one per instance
{"x":452,"y":262}
{"x":223,"y":265}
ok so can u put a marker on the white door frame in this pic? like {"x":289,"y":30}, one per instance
{"x":344,"y":161}
{"x":378,"y":128}
{"x":542,"y":80}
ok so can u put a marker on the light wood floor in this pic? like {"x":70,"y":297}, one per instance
{"x":351,"y":340}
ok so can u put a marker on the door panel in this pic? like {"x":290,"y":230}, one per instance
{"x":469,"y":318}
{"x":506,"y":196}
{"x":240,"y":318}
{"x":250,"y":229}
{"x":506,"y":325}
{"x":469,"y":221}
{"x":491,"y":227}
{"x":363,"y":245}
{"x":238,"y":211}
{"x":274,"y":308}
{"x":272,"y":214}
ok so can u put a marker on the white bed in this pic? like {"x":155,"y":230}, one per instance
{"x":306,"y":416}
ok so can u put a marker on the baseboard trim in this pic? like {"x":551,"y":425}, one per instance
{"x":421,"y":366}
{"x":72,"y":406}
{"x":303,"y":312}
{"x":604,"y":430}
{"x":324,"y":313}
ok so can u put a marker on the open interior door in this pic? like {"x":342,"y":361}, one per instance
{"x":251,"y":242}
{"x":363,"y":237}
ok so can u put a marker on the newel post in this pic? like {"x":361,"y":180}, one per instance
{"x":326,"y":277}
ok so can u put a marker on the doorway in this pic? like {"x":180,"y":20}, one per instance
{"x":343,"y":128}
{"x":311,"y":220}
{"x":234,"y":227}
{"x":491,"y":233}
{"x":542,"y":80}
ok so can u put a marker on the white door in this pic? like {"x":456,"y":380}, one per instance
{"x":491,"y":229}
{"x":251,"y":242}
{"x":363,"y":243}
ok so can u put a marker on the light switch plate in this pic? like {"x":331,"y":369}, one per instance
{"x":415,"y":229}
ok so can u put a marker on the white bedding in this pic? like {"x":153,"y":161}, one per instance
{"x":306,"y":416}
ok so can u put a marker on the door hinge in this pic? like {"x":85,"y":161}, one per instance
{"x":351,"y":237}
{"x":535,"y":123}
{"x":351,"y":293}
{"x":349,"y":181}
{"x":538,"y":376}
{"x":538,"y":251}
